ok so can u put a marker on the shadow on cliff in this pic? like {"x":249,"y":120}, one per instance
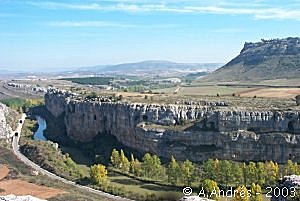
{"x":98,"y":150}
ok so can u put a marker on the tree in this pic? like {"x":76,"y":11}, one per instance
{"x":115,"y":158}
{"x":173,"y":170}
{"x":237,"y":172}
{"x":256,"y":193}
{"x":271,"y":173}
{"x":156,"y":170}
{"x":251,"y":173}
{"x":187,"y":171}
{"x":98,"y":174}
{"x":241,"y":194}
{"x":209,"y":170}
{"x":225,"y":172}
{"x":135,"y":166}
{"x":124,"y":162}
{"x":260,"y":174}
{"x":291,"y":168}
{"x":298,"y":100}
{"x":147,"y":165}
{"x":211,"y":189}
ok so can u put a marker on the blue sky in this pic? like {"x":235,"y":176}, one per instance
{"x":38,"y":35}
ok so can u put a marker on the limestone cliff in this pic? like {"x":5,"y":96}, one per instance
{"x":196,"y":132}
{"x":5,"y":128}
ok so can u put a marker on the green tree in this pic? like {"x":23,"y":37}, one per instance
{"x":124,"y":162}
{"x":291,"y":168}
{"x":211,"y":189}
{"x":260,"y":173}
{"x":156,"y":169}
{"x":251,"y":173}
{"x":187,"y":171}
{"x":225,"y":172}
{"x":211,"y":169}
{"x":237,"y":172}
{"x":147,"y":165}
{"x":98,"y":174}
{"x":256,"y":193}
{"x":173,"y":171}
{"x":115,"y":158}
{"x":241,"y":194}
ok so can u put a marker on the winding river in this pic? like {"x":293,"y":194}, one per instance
{"x":39,"y":134}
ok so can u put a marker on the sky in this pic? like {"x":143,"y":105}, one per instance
{"x":40,"y":35}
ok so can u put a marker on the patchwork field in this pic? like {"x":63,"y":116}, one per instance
{"x":271,"y":92}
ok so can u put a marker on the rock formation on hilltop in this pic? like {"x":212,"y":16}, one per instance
{"x":268,"y":59}
{"x":196,"y":131}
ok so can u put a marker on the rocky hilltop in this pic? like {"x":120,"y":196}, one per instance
{"x":193,"y":131}
{"x":268,"y":59}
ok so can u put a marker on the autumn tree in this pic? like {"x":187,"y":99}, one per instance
{"x":272,"y":173}
{"x":115,"y":158}
{"x":211,"y":189}
{"x":98,"y":174}
{"x":241,"y":194}
{"x":124,"y":162}
{"x":256,"y":193}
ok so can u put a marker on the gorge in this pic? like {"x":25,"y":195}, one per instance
{"x":196,"y":132}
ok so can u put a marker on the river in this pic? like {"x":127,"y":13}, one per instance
{"x":39,"y":134}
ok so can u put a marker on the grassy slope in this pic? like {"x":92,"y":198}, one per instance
{"x":273,"y":67}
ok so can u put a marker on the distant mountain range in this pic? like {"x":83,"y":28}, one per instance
{"x":268,"y":59}
{"x":152,"y":67}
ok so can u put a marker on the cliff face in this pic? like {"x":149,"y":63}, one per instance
{"x":185,"y":131}
{"x":268,"y":59}
{"x":5,"y":128}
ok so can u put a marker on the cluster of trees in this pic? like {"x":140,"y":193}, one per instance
{"x":232,"y":173}
{"x":210,"y":189}
{"x":21,"y":104}
{"x":91,"y":80}
{"x":151,"y":168}
{"x":224,"y":172}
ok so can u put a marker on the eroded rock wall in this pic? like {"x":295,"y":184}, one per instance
{"x":185,"y":131}
{"x":5,"y":128}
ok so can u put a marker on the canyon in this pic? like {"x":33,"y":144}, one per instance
{"x":187,"y":131}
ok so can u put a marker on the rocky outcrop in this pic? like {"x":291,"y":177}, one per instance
{"x":268,"y":59}
{"x":5,"y":128}
{"x":196,"y":132}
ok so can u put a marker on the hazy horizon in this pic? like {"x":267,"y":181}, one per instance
{"x":62,"y":35}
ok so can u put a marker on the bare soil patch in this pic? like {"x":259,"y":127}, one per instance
{"x":3,"y":171}
{"x":19,"y":187}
